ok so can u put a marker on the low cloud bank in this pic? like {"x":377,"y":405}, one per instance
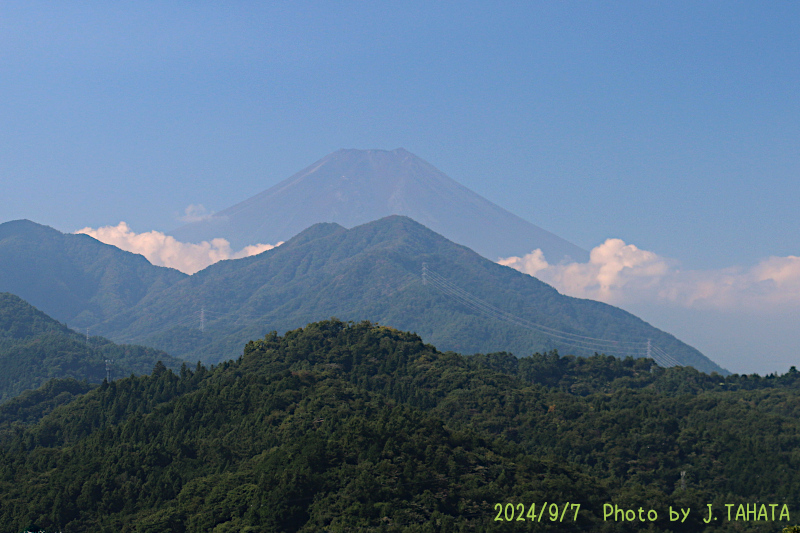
{"x":620,"y":273}
{"x":163,"y":250}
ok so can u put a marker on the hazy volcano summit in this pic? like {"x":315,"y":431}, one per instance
{"x":353,"y":187}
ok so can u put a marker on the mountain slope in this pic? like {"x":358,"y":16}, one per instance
{"x":358,"y":427}
{"x":74,"y":278}
{"x":34,"y":348}
{"x":257,"y":446}
{"x":374,"y":272}
{"x":353,"y":187}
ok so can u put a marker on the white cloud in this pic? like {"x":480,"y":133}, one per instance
{"x":163,"y":250}
{"x":195,"y":213}
{"x":620,"y":273}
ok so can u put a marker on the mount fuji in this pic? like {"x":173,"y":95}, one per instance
{"x":353,"y":187}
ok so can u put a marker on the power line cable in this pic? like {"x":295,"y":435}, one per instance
{"x":635,"y":348}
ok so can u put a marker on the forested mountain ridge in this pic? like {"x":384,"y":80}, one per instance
{"x":341,"y":427}
{"x":74,"y":278}
{"x":35,"y":348}
{"x":19,"y":320}
{"x":375,"y":272}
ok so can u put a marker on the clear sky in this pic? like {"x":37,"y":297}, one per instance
{"x":674,"y":126}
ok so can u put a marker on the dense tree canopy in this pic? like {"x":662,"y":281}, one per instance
{"x":342,"y":427}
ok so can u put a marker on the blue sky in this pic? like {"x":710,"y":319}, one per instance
{"x":674,"y":126}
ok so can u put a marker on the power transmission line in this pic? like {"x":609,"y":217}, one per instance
{"x":634,"y":348}
{"x":198,"y":319}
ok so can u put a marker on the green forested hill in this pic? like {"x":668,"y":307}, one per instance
{"x":74,"y":278}
{"x":374,"y":272}
{"x":358,"y":427}
{"x":35,"y":348}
